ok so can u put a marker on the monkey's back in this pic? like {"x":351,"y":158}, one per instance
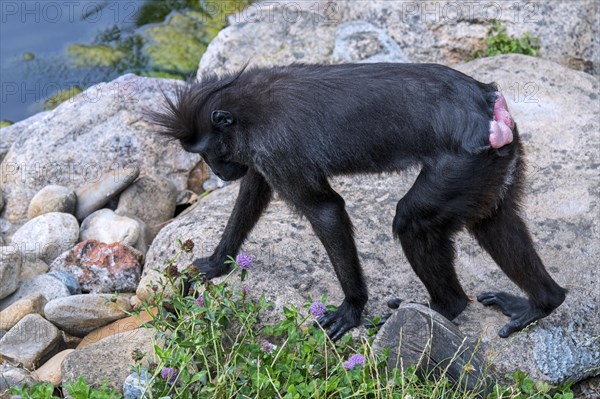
{"x":390,"y":114}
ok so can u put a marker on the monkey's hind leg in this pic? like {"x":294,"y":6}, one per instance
{"x":506,"y":238}
{"x":427,"y":218}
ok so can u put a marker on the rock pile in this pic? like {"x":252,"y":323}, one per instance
{"x":86,"y":227}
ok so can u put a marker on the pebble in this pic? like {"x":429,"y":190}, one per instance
{"x":10,"y":268}
{"x":80,"y":314}
{"x":95,"y":195}
{"x":136,"y":385}
{"x":106,"y":226}
{"x":44,"y":284}
{"x":12,"y":376}
{"x":10,"y":316}
{"x":52,"y":198}
{"x":68,"y":279}
{"x":47,"y":236}
{"x":102,"y":268}
{"x":31,"y":268}
{"x":29,"y":341}
{"x":156,"y":190}
{"x":50,"y":371}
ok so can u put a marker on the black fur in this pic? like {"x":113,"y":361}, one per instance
{"x":288,"y":129}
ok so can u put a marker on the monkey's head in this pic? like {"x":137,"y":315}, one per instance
{"x":195,"y":119}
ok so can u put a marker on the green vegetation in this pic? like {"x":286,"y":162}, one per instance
{"x":60,"y":97}
{"x":498,"y":42}
{"x":209,"y":343}
{"x":5,"y":123}
{"x":77,"y":390}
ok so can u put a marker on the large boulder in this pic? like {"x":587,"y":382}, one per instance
{"x":448,"y":32}
{"x":101,"y":130}
{"x":558,"y":116}
{"x":270,"y":34}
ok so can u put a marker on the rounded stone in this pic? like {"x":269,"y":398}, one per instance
{"x":68,"y":279}
{"x":136,"y":385}
{"x":50,"y":287}
{"x":52,"y":198}
{"x":10,"y":268}
{"x":47,"y":236}
{"x":31,"y":268}
{"x":100,"y":267}
{"x":106,"y":226}
{"x":81,"y":314}
{"x":152,"y":199}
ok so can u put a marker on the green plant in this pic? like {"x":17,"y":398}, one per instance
{"x":76,"y":390}
{"x":210,"y":344}
{"x":498,"y":42}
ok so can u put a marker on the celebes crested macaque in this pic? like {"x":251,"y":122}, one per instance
{"x":288,"y":129}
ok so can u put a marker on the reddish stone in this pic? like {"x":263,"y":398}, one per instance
{"x":101,"y":267}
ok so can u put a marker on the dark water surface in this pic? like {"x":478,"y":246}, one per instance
{"x":34,"y":36}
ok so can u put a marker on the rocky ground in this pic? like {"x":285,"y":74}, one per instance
{"x":89,"y":194}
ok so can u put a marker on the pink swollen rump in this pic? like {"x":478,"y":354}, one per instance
{"x":502,"y":125}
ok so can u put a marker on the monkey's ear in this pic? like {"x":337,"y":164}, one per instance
{"x":220,"y":118}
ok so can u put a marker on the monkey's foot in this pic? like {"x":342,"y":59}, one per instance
{"x":210,"y":268}
{"x":338,"y":322}
{"x":519,"y":310}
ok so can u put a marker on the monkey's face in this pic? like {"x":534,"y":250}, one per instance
{"x":213,"y":148}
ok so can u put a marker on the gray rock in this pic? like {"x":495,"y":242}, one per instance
{"x":108,"y":360}
{"x":557,"y":112}
{"x":10,"y":316}
{"x":31,"y":268}
{"x":46,"y":285}
{"x":137,"y":386}
{"x":31,"y":340}
{"x":100,"y":131}
{"x":277,"y":36}
{"x":47,"y":236}
{"x":106,"y":226}
{"x":52,"y":198}
{"x":361,"y":42}
{"x":94,"y":195}
{"x":448,"y":32}
{"x":417,"y":335}
{"x":10,"y":268}
{"x":81,"y":314}
{"x":151,"y":199}
{"x":68,"y":279}
{"x":11,"y":376}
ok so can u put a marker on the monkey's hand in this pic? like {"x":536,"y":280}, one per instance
{"x":338,"y":322}
{"x":519,"y":310}
{"x":211,"y":267}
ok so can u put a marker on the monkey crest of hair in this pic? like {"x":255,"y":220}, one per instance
{"x":288,"y":129}
{"x":502,"y":126}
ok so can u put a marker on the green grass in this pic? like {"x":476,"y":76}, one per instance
{"x":210,"y":343}
{"x":498,"y":42}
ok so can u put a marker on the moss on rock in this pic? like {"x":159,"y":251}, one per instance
{"x":61,"y":96}
{"x":99,"y":55}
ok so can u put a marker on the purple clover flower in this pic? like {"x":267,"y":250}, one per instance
{"x":354,"y":360}
{"x":244,"y":260}
{"x":200,"y":300}
{"x":267,"y":347}
{"x":245,"y":289}
{"x":169,"y":374}
{"x":317,"y":309}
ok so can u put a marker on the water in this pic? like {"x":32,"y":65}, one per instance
{"x":35,"y":35}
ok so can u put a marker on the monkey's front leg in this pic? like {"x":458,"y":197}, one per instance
{"x":327,"y":215}
{"x":253,"y":198}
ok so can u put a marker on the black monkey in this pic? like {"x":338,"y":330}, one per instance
{"x":288,"y":129}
